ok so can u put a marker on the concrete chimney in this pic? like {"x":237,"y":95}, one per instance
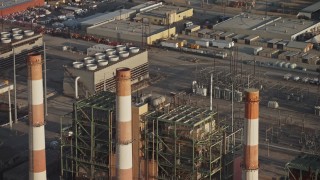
{"x":124,"y":125}
{"x":251,"y":133}
{"x":37,"y":153}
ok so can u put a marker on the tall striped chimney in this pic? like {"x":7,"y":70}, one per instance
{"x":124,"y":126}
{"x":251,"y":133}
{"x":37,"y":153}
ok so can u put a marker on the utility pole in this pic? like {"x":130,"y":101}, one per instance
{"x":10,"y":114}
{"x":15,"y":87}
{"x":211,"y":80}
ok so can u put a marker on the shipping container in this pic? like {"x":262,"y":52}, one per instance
{"x":203,"y":43}
{"x":222,"y":44}
{"x":170,"y":44}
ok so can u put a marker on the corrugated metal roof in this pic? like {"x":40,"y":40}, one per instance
{"x":296,"y":44}
{"x":306,"y":162}
{"x":312,"y":8}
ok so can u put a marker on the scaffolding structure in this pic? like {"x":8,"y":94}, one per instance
{"x":188,"y":143}
{"x":87,"y":142}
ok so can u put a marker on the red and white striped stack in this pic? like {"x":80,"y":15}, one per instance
{"x":37,"y":153}
{"x":251,"y":133}
{"x":124,"y":126}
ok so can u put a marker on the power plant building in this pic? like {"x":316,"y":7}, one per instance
{"x":98,"y":74}
{"x":165,"y":15}
{"x":127,"y":31}
{"x":20,"y":43}
{"x":182,"y":142}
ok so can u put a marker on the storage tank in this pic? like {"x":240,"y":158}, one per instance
{"x":113,"y":58}
{"x":276,"y":63}
{"x":281,"y":64}
{"x":5,"y":35}
{"x":5,"y":40}
{"x":88,"y":60}
{"x":28,"y":32}
{"x":16,"y":31}
{"x":77,"y":65}
{"x":145,"y":98}
{"x":91,"y":67}
{"x":123,"y":54}
{"x":102,"y":62}
{"x":293,"y":65}
{"x":286,"y":65}
{"x":157,"y":101}
{"x":17,"y":36}
{"x":134,"y":50}
{"x":110,"y":52}
{"x":273,"y":104}
{"x":99,"y":55}
{"x":121,"y":48}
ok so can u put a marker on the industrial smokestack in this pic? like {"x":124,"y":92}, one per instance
{"x":37,"y":153}
{"x":251,"y":133}
{"x":124,"y":126}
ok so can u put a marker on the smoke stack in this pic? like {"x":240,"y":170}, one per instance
{"x":251,"y":133}
{"x":37,"y":153}
{"x":124,"y":126}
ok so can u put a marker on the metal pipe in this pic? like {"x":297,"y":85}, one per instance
{"x":211,"y":81}
{"x":76,"y":87}
{"x":15,"y":87}
{"x":37,"y":157}
{"x":10,"y":115}
{"x":123,"y":127}
{"x":251,"y":132}
{"x":45,"y":79}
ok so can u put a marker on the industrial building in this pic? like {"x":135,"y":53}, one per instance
{"x":304,"y":166}
{"x":180,"y":142}
{"x":267,"y":27}
{"x":310,"y":12}
{"x":8,"y":7}
{"x":97,"y":74}
{"x":127,"y":31}
{"x":165,"y":15}
{"x":20,"y":43}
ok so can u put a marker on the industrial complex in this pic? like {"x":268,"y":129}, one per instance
{"x":178,"y":90}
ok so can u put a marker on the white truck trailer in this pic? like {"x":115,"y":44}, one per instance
{"x":202,"y":43}
{"x":222,"y":44}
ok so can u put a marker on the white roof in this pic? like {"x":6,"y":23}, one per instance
{"x":108,"y":17}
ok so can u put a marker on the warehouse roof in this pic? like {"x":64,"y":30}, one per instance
{"x":305,"y":162}
{"x":164,"y":10}
{"x":119,"y":14}
{"x":8,"y":3}
{"x":243,"y":21}
{"x":128,"y":27}
{"x":287,"y":26}
{"x":296,"y":44}
{"x":312,"y":8}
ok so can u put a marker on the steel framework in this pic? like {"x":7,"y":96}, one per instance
{"x":188,"y":143}
{"x":87,"y":144}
